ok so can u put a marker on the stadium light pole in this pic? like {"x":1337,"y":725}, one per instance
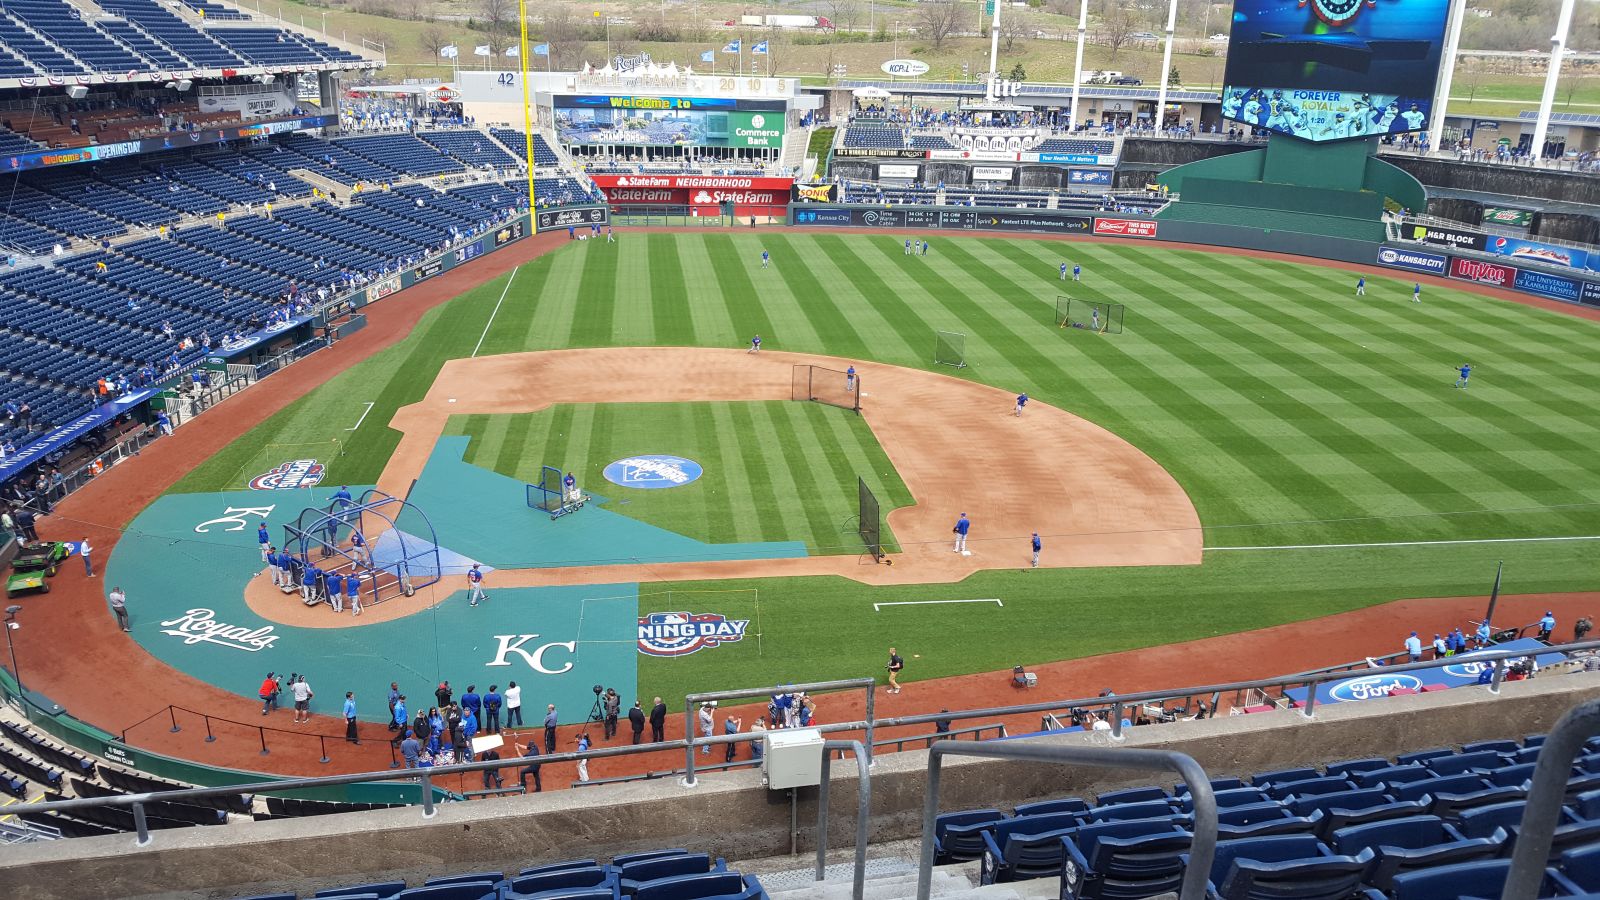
{"x":1166,"y":67}
{"x":527,"y":113}
{"x":1447,"y":70}
{"x":1077,"y":66}
{"x":16,"y":673}
{"x":1558,"y":49}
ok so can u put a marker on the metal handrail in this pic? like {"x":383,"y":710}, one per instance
{"x":1203,"y":846}
{"x":689,"y":701}
{"x":863,"y":811}
{"x":1545,"y":797}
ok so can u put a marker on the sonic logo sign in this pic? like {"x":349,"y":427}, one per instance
{"x":682,"y":633}
{"x":1371,"y":687}
{"x":299,"y":473}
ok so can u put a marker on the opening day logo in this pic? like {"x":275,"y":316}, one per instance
{"x":299,"y":473}
{"x":653,"y":472}
{"x":681,"y":633}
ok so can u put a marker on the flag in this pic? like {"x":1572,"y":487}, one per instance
{"x":759,"y":48}
{"x":449,"y":51}
{"x":541,"y":49}
{"x":709,"y":56}
{"x":482,"y":50}
{"x":513,"y":52}
{"x":733,"y":47}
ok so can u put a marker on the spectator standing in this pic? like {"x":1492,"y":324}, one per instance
{"x":302,"y":700}
{"x":491,"y":777}
{"x":88,"y":564}
{"x":350,"y":718}
{"x":469,"y":730}
{"x":1440,"y":648}
{"x":471,"y":701}
{"x":410,"y":748}
{"x":1581,"y":628}
{"x":398,"y":720}
{"x":636,"y":721}
{"x":658,"y":722}
{"x":491,"y":710}
{"x":613,"y":707}
{"x":443,"y":694}
{"x":119,"y":607}
{"x":759,"y":745}
{"x":732,"y":725}
{"x":583,"y":764}
{"x":895,"y":665}
{"x":550,"y":729}
{"x":513,"y":706}
{"x":708,"y":723}
{"x":394,"y":697}
{"x":1414,"y":648}
{"x":1547,"y":625}
{"x":531,"y":770}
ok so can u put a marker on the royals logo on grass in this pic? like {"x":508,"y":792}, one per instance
{"x":299,"y":473}
{"x":653,"y":472}
{"x":681,"y":633}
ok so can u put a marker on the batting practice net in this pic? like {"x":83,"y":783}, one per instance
{"x":546,"y":495}
{"x":950,"y":349}
{"x":869,"y":525}
{"x":1099,"y":316}
{"x":830,"y":386}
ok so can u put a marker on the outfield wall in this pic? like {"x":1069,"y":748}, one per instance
{"x":732,"y":814}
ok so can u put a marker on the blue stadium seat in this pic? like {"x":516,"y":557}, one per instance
{"x":1306,"y":787}
{"x":1042,"y":807}
{"x":1421,"y":756}
{"x":1411,"y":843}
{"x":1122,"y":812}
{"x":1123,"y":859}
{"x":626,"y":858}
{"x":1130,"y":795}
{"x":1392,"y":775}
{"x":1242,"y":796}
{"x":1217,"y":784}
{"x":1012,"y":854}
{"x":1314,"y":878}
{"x":378,"y":888}
{"x":1351,"y":766}
{"x":631,"y":875}
{"x":1278,"y":775}
{"x":547,"y":881}
{"x":469,"y":890}
{"x":495,"y":877}
{"x":1502,"y":746}
{"x":1483,"y":878}
{"x":1454,"y":784}
{"x":1482,"y":761}
{"x":957,"y":836}
{"x":701,"y":887}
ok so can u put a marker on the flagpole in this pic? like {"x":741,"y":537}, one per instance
{"x":527,"y":113}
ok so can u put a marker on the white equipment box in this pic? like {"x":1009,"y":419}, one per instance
{"x":793,"y":758}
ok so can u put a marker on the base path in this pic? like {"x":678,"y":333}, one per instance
{"x":957,"y":445}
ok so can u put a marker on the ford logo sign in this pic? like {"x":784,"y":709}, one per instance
{"x":1370,"y":687}
{"x":906,"y":68}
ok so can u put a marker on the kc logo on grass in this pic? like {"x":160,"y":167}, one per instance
{"x":653,"y":472}
{"x":1371,"y":687}
{"x":681,"y":633}
{"x":299,"y":473}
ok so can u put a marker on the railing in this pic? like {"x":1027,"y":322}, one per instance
{"x":869,"y":684}
{"x":170,"y":713}
{"x":1546,"y":794}
{"x":1485,"y":228}
{"x":1202,"y":849}
{"x":863,"y":812}
{"x":1496,"y":658}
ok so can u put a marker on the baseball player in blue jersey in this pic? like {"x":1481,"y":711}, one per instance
{"x":908,"y":247}
{"x":755,"y":344}
{"x":924,"y":248}
{"x":310,"y":586}
{"x":336,"y":591}
{"x":352,"y":592}
{"x":850,"y":379}
{"x":475,"y":579}
{"x":1063,"y":271}
{"x":765,"y":258}
{"x":1466,"y":372}
{"x":961,"y":529}
{"x":1361,"y":286}
{"x":1416,"y":292}
{"x":1037,"y":546}
{"x":264,"y":539}
{"x":1077,"y":272}
{"x":358,"y":546}
{"x":343,"y":496}
{"x":1022,"y":400}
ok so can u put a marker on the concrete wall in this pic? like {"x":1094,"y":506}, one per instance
{"x":1164,"y":153}
{"x":1503,"y":180}
{"x":731,"y":814}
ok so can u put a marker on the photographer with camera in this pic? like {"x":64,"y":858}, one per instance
{"x":613,"y":709}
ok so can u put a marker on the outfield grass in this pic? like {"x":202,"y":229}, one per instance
{"x":774,"y":470}
{"x":1291,"y":411}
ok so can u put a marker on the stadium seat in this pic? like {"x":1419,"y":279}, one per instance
{"x":1314,"y":878}
{"x":1130,"y":795}
{"x":1306,"y":787}
{"x":381,"y":889}
{"x":1454,"y":784}
{"x":465,"y":890}
{"x":1149,"y":809}
{"x":1421,"y":756}
{"x":1217,"y":784}
{"x":626,"y":858}
{"x":1020,"y":854}
{"x":1501,"y":746}
{"x":1481,"y":761}
{"x":1335,"y":818}
{"x":701,"y":887}
{"x":1483,"y":878}
{"x":1041,"y":807}
{"x":957,"y":836}
{"x":1392,"y":775}
{"x":495,"y":877}
{"x":1350,"y":766}
{"x":1266,"y":778}
{"x":1123,"y":859}
{"x":1243,"y":796}
{"x":1411,"y":843}
{"x":630,"y":876}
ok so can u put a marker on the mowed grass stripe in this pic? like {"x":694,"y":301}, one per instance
{"x":756,"y":477}
{"x":783,"y":482}
{"x":667,"y":293}
{"x":881,"y":337}
{"x":915,"y":332}
{"x":633,"y":322}
{"x":710,"y":309}
{"x":721,"y":513}
{"x":815,"y":480}
{"x":597,"y":292}
{"x":832,"y":327}
{"x":848,"y":445}
{"x":739,"y":293}
{"x":514,"y":444}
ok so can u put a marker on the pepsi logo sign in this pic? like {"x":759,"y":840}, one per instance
{"x":682,"y":633}
{"x":1372,"y":687}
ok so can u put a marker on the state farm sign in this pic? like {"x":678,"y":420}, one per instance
{"x":706,"y":193}
{"x":711,"y":182}
{"x":1125,"y":227}
{"x":1482,"y":272}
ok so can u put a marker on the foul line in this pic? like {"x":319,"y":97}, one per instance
{"x":490,"y":323}
{"x":362,"y":419}
{"x":878,"y":606}
{"x":1530,"y":540}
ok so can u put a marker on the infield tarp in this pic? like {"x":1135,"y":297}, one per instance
{"x":1453,"y":671}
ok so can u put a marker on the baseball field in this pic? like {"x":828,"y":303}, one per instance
{"x":1319,"y":436}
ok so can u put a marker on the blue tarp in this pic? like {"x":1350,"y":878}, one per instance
{"x":1453,"y":671}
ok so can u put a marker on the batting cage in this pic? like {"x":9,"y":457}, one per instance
{"x":830,"y":386}
{"x":869,"y":524}
{"x":1092,"y":315}
{"x":363,"y":539}
{"x":950,"y":349}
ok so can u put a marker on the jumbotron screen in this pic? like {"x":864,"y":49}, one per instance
{"x":1328,"y":70}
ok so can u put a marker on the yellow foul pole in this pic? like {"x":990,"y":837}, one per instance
{"x":527,"y":110}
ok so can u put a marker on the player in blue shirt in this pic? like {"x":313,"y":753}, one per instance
{"x":1361,"y":286}
{"x":850,"y":379}
{"x":336,"y":591}
{"x":343,"y":496}
{"x":1466,"y":372}
{"x":1077,"y":272}
{"x":755,"y":344}
{"x":352,"y":592}
{"x":1416,"y":292}
{"x":765,"y":258}
{"x":924,"y":248}
{"x":1037,"y":546}
{"x":1547,"y":625}
{"x":264,"y":539}
{"x":358,"y":546}
{"x":475,"y":580}
{"x":1063,"y":271}
{"x":1022,"y":400}
{"x":908,"y":247}
{"x":962,"y":526}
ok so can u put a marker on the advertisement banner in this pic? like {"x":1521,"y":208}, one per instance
{"x":1499,"y":215}
{"x":1091,"y":177}
{"x":381,"y":289}
{"x":670,"y":121}
{"x":1534,"y":251}
{"x":724,"y":182}
{"x":1125,"y":227}
{"x":897,"y":170}
{"x":747,"y":129}
{"x":1591,"y":293}
{"x":943,"y":218}
{"x":1414,"y":260}
{"x":881,"y":153}
{"x":44,"y":159}
{"x":824,"y":217}
{"x":570,"y":217}
{"x":1483,"y":272}
{"x":1445,"y":237}
{"x":1556,"y":287}
{"x":987,"y":155}
{"x":815,"y":193}
{"x":509,"y":233}
{"x":1065,"y":159}
{"x":429,"y":269}
{"x":705,"y":191}
{"x":992,"y":173}
{"x":469,"y":251}
{"x":262,"y":104}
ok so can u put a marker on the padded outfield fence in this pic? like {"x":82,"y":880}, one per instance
{"x":830,"y":386}
{"x":1091,"y":315}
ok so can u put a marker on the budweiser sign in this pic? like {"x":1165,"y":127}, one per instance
{"x":1125,"y":227}
{"x":1482,"y":272}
